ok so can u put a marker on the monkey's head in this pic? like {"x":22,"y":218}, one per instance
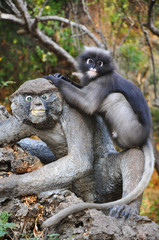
{"x":95,"y":62}
{"x":37,"y":103}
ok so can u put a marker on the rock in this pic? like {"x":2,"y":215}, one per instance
{"x":37,"y":148}
{"x":15,"y":160}
{"x":29,"y":212}
{"x":95,"y":225}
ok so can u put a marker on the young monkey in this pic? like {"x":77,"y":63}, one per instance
{"x":123,"y":108}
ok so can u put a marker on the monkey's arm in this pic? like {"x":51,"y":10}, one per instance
{"x":12,"y":130}
{"x":87,"y":98}
{"x":59,"y":76}
{"x":59,"y":174}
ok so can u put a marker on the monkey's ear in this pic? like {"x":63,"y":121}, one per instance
{"x":12,"y":98}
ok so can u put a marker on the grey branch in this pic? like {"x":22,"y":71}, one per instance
{"x":152,"y":57}
{"x":11,"y":17}
{"x":48,"y":42}
{"x":23,"y":17}
{"x":150,"y":23}
{"x":73,"y":24}
{"x":13,"y":7}
{"x":31,"y":25}
{"x":22,"y":7}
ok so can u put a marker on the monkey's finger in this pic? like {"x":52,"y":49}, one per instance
{"x":119,"y":211}
{"x":129,"y":213}
{"x":46,"y":77}
{"x":126,"y":214}
{"x":65,"y":78}
{"x":58,"y":75}
{"x":52,"y":79}
{"x":114,"y":211}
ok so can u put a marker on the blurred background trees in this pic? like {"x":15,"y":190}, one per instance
{"x":120,"y":26}
{"x":41,"y":37}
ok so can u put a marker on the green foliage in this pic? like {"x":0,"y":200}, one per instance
{"x":155,"y":118}
{"x":4,"y":224}
{"x":18,"y":58}
{"x":133,"y":59}
{"x":46,"y":56}
{"x":116,"y":10}
{"x":155,"y":114}
{"x":54,"y":236}
{"x":153,"y":212}
{"x":151,"y":78}
{"x":21,"y":58}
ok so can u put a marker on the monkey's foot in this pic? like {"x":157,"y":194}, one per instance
{"x":124,"y":211}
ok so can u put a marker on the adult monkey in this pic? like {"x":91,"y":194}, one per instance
{"x":122,"y":107}
{"x":86,"y":156}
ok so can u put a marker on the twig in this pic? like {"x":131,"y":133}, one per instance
{"x":100,"y":30}
{"x":74,"y":9}
{"x":127,"y":34}
{"x":42,"y":8}
{"x":31,"y":24}
{"x":152,"y":57}
{"x":115,"y":42}
{"x":11,"y":17}
{"x":85,"y":9}
{"x":13,"y":7}
{"x":73,"y":24}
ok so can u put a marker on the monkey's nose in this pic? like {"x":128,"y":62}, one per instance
{"x":93,"y":69}
{"x":38,"y":104}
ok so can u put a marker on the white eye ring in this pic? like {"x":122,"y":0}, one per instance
{"x":28,"y":98}
{"x":100,"y":63}
{"x":89,"y":61}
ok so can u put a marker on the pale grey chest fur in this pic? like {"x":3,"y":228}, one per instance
{"x":123,"y":122}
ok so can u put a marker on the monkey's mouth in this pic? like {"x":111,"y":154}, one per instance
{"x":38,"y":113}
{"x":92,"y":73}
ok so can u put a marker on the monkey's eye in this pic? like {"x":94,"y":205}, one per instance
{"x":44,"y":97}
{"x":100,"y":63}
{"x":89,"y":61}
{"x":28,"y":98}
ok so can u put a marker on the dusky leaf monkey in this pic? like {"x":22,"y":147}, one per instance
{"x":122,"y":106}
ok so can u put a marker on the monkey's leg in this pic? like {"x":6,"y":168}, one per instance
{"x":132,"y":166}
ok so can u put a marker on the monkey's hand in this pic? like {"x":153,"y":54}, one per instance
{"x":56,"y":78}
{"x":52,"y":79}
{"x":59,"y":75}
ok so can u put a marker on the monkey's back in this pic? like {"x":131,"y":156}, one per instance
{"x":123,"y":124}
{"x":126,"y":114}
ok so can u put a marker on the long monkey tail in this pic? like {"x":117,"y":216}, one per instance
{"x":148,"y":170}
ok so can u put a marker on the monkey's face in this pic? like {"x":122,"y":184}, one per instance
{"x":40,"y":111}
{"x":95,"y":62}
{"x":93,"y":66}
